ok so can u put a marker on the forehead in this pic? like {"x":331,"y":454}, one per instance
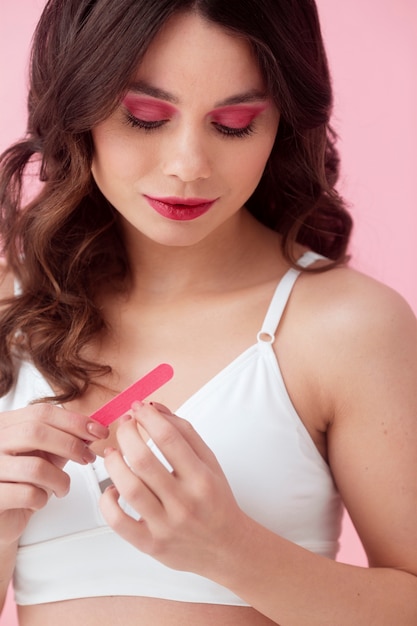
{"x":193,"y":54}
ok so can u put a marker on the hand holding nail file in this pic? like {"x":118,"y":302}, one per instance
{"x":119,"y":405}
{"x":140,"y":390}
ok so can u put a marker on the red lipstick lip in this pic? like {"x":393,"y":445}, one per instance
{"x":175,"y":201}
{"x":180,"y":209}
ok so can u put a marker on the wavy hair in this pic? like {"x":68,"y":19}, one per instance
{"x":66,"y":241}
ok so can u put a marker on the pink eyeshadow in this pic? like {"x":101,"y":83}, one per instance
{"x":237,"y":116}
{"x":148,"y":110}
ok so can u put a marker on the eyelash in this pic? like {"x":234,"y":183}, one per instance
{"x":131,"y":120}
{"x":225,"y":131}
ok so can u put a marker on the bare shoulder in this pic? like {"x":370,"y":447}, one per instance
{"x":354,"y":311}
{"x":354,"y":340}
{"x":366,"y":334}
{"x":349,"y":287}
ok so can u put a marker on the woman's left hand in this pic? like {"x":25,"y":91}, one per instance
{"x":189,"y":517}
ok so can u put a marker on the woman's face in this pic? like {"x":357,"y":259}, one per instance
{"x":189,"y":142}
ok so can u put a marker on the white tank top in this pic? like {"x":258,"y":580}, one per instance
{"x":277,"y":475}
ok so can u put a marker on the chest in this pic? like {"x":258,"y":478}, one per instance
{"x":199,"y":338}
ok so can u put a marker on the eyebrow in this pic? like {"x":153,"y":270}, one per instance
{"x":142,"y":87}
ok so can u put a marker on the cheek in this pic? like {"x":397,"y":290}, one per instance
{"x":251,"y":164}
{"x":116,"y":159}
{"x":103,"y":157}
{"x":246,"y":171}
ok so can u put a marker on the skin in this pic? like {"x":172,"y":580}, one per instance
{"x":346,"y":346}
{"x":187,"y":156}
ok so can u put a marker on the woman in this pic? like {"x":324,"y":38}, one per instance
{"x":188,"y":215}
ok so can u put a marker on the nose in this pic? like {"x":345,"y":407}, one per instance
{"x":186,"y":156}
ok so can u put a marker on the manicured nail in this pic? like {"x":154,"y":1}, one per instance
{"x":97,"y":430}
{"x":161,"y":408}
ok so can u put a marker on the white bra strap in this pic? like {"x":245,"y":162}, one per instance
{"x":281,"y":297}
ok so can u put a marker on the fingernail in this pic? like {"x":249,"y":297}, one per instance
{"x":97,"y":430}
{"x":137,"y":404}
{"x":108,"y":451}
{"x":161,"y":408}
{"x":125,"y":418}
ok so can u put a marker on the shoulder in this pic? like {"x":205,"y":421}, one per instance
{"x":348,"y":306}
{"x":352,"y":337}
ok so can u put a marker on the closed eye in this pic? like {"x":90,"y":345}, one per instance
{"x":145,"y":113}
{"x":237,"y":120}
{"x":150,"y":125}
{"x":147,"y":125}
{"x":228,"y":131}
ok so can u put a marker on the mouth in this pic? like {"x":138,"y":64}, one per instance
{"x":180,"y":209}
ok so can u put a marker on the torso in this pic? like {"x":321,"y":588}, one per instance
{"x":128,"y":611}
{"x":218,"y":327}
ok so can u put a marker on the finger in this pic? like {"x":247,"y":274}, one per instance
{"x":13,"y":523}
{"x":22,"y":496}
{"x":175,"y":437}
{"x":141,"y":451}
{"x":59,"y":418}
{"x":33,"y":435}
{"x":131,"y":487}
{"x":36,"y":471}
{"x":145,"y":460}
{"x":190,"y":435}
{"x":161,"y":408}
{"x":135,"y":532}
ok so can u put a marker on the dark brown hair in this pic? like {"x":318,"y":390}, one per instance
{"x":67,"y":241}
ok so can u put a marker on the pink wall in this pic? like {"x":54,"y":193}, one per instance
{"x":372,"y":46}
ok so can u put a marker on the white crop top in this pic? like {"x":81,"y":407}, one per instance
{"x":246,"y":417}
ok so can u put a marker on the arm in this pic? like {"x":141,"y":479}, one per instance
{"x":370,"y":366}
{"x":35,"y":444}
{"x":7,"y":559}
{"x":369,"y":369}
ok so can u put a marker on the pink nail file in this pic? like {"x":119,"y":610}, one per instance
{"x":140,"y":390}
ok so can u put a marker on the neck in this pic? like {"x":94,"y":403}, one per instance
{"x":213,"y":264}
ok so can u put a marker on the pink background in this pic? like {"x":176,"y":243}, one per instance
{"x":372,"y":46}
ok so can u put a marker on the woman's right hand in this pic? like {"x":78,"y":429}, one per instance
{"x":35,"y":444}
